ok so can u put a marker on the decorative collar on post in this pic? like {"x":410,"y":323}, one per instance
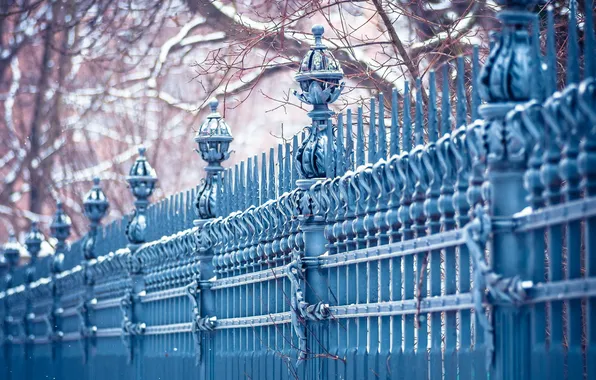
{"x":213,"y":138}
{"x":509,"y":74}
{"x":96,"y":206}
{"x":141,"y":179}
{"x":319,"y":76}
{"x":60,"y":230}
{"x":33,"y":241}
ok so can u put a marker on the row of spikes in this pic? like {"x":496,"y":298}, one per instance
{"x":172,"y":214}
{"x":241,"y":185}
{"x":545,"y":82}
{"x":246,"y":184}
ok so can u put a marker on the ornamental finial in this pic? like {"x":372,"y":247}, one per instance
{"x":319,"y":77}
{"x":141,"y":179}
{"x":213,"y":138}
{"x":96,"y":206}
{"x":60,"y":230}
{"x":317,"y":31}
{"x":213,"y":104}
{"x":12,"y":250}
{"x":507,"y":78}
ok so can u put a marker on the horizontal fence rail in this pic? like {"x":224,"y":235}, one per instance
{"x":448,"y":238}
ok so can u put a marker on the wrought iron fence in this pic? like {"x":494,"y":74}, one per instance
{"x":453,"y":248}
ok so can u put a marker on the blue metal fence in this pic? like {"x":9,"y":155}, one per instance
{"x":459,"y":245}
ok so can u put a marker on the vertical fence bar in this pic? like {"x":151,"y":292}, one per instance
{"x":372,"y":134}
{"x":475,"y":93}
{"x":360,"y":139}
{"x":572,"y":45}
{"x":551,"y":57}
{"x":461,"y":108}
{"x":280,"y":170}
{"x":294,"y":167}
{"x":394,"y":143}
{"x":349,"y":163}
{"x":271,"y":181}
{"x":382,"y":147}
{"x":445,"y":103}
{"x":589,"y":45}
{"x":418,"y":132}
{"x":263,"y":192}
{"x":287,"y":168}
{"x":340,"y":154}
{"x":406,"y":120}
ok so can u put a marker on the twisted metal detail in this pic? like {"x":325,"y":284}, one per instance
{"x":498,"y":289}
{"x":200,"y":323}
{"x":302,"y":310}
{"x":129,"y":328}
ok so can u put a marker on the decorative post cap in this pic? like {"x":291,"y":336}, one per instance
{"x":508,"y":73}
{"x":319,"y":65}
{"x":12,"y":250}
{"x":33,"y":240}
{"x":95,"y":203}
{"x":60,"y":229}
{"x":213,"y":138}
{"x":60,"y":226}
{"x":319,"y":77}
{"x":142,"y":177}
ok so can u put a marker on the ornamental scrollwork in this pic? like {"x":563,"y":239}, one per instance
{"x":489,"y":286}
{"x":129,"y":328}
{"x":302,"y":310}
{"x":200,"y":323}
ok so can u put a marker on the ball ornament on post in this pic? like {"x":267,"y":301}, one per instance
{"x":141,"y":179}
{"x":319,"y":77}
{"x":33,"y":241}
{"x":60,"y":230}
{"x":213,"y":139}
{"x":95,"y":205}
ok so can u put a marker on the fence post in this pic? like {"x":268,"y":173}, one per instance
{"x":4,"y":362}
{"x":504,"y":83}
{"x":60,"y":229}
{"x":33,"y":241}
{"x":319,"y":78}
{"x":141,"y":180}
{"x":95,"y":206}
{"x":12,"y":252}
{"x":213,"y":139}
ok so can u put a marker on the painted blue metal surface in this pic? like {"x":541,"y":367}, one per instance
{"x":461,"y":246}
